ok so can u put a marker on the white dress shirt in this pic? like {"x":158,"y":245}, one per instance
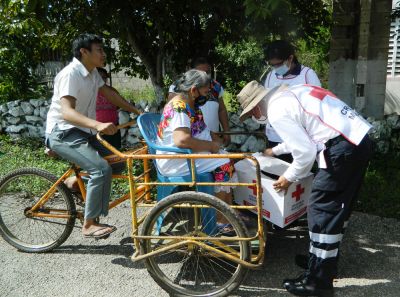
{"x":76,"y":81}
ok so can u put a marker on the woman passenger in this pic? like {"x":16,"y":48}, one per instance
{"x":182,"y":126}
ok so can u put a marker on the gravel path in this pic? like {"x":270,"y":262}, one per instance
{"x":370,"y":264}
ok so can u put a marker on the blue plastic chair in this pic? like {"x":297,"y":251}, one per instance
{"x":148,"y":125}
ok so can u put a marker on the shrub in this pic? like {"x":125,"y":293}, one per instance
{"x":379,"y":194}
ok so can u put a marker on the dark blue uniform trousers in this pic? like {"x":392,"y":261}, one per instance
{"x":333,"y":195}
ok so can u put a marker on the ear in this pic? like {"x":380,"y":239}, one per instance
{"x":83,"y":51}
{"x":192,"y":90}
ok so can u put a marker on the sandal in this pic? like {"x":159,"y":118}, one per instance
{"x":225,"y":229}
{"x":97,"y":221}
{"x":101,"y":235}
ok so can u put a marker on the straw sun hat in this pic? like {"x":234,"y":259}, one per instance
{"x":252,"y":94}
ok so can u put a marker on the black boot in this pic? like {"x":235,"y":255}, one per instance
{"x":298,"y":280}
{"x":308,"y":286}
{"x":301,"y":261}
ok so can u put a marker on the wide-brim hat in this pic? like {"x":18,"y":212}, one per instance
{"x":252,"y":94}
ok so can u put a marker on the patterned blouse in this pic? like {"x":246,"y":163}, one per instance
{"x":177,"y":114}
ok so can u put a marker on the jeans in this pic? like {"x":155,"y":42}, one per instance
{"x":86,"y":151}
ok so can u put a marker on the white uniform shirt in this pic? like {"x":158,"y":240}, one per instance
{"x":306,"y":76}
{"x":210,"y":111}
{"x":76,"y":81}
{"x":306,"y":117}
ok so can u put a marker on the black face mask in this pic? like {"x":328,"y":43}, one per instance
{"x":201,"y":100}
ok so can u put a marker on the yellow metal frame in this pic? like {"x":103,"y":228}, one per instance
{"x":139,"y":196}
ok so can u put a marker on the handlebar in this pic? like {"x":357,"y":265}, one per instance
{"x":108,"y":145}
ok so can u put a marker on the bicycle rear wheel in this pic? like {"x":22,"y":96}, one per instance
{"x":193,"y":270}
{"x":42,"y":231}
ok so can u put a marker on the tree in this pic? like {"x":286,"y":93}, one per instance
{"x":155,"y":37}
{"x":306,"y":23}
{"x":20,"y":43}
{"x":159,"y":37}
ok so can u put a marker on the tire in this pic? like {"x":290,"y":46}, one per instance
{"x":167,"y":267}
{"x":19,"y":191}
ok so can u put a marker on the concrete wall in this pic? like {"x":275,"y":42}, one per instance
{"x":48,"y":71}
{"x":358,"y":55}
{"x":121,"y":81}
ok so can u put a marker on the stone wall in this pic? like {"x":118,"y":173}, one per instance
{"x":28,"y":119}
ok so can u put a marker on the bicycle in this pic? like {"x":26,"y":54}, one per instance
{"x":177,"y":238}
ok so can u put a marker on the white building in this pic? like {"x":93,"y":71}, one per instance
{"x":392,"y":99}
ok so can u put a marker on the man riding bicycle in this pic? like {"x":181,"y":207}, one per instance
{"x":71,"y":126}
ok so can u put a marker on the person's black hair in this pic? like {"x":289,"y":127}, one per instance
{"x":102,"y":70}
{"x":279,"y":49}
{"x":199,"y":61}
{"x":84,"y":41}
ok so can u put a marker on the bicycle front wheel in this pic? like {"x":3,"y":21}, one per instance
{"x":47,"y":227}
{"x":193,"y":269}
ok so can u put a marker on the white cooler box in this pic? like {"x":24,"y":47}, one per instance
{"x":278,"y":208}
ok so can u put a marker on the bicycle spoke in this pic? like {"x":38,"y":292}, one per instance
{"x":21,"y":190}
{"x":199,"y":271}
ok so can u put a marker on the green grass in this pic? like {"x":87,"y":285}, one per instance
{"x":29,"y":152}
{"x":380,"y":193}
{"x":146,"y":93}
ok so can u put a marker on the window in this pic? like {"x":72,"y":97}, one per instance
{"x":393,"y":68}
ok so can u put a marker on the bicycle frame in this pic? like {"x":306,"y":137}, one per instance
{"x":139,"y":196}
{"x":135,"y":183}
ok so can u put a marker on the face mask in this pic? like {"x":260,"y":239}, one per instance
{"x":282,"y":70}
{"x":201,"y":100}
{"x":262,"y":120}
{"x":262,"y":110}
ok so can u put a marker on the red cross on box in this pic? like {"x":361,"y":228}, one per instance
{"x":254,"y":188}
{"x":296,"y":194}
